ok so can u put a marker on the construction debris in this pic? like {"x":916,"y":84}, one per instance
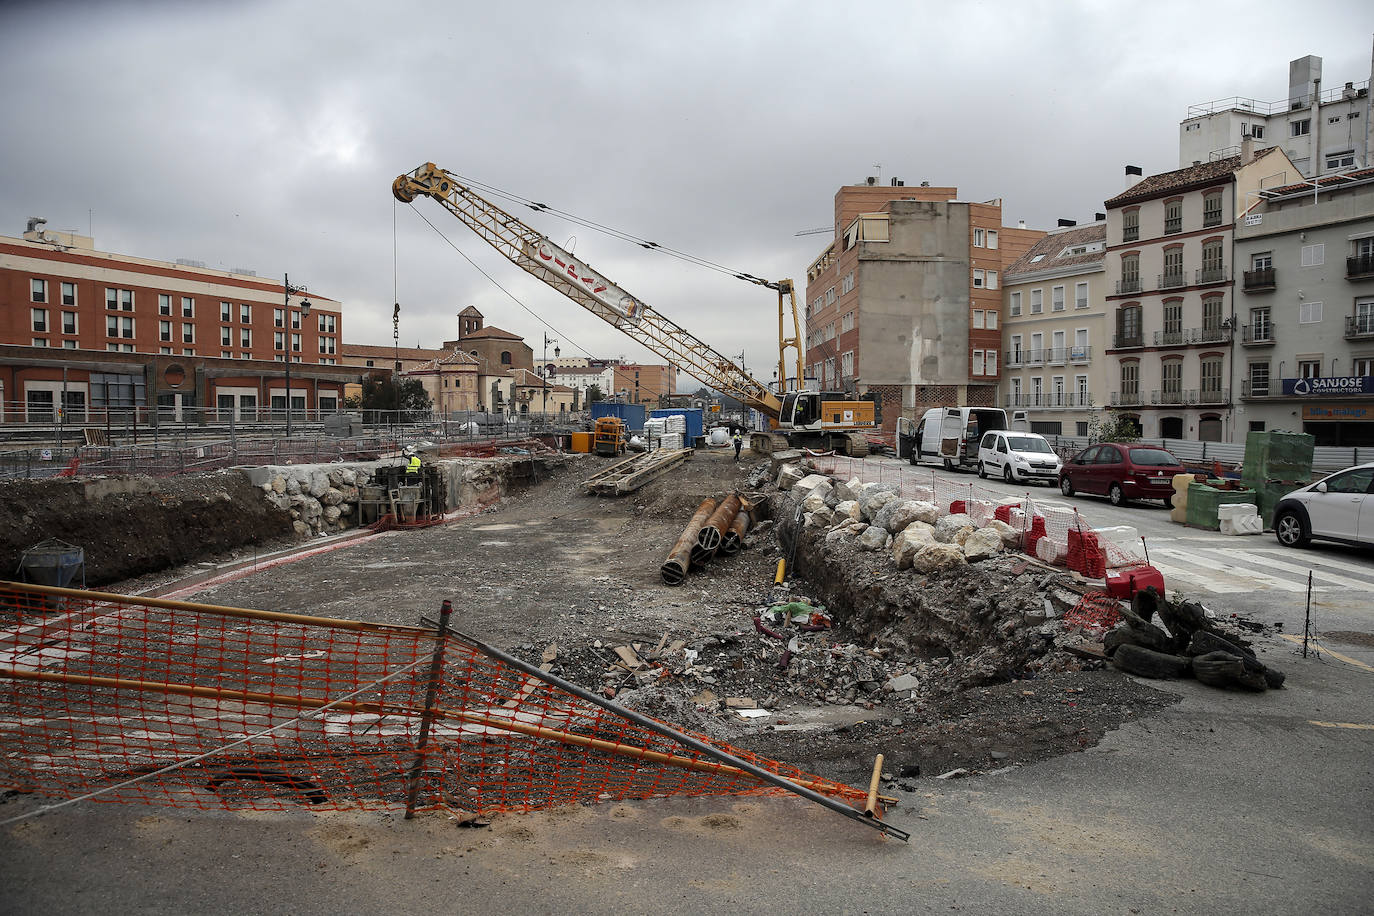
{"x":634,"y":472}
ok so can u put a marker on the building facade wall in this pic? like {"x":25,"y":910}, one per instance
{"x":643,"y":383}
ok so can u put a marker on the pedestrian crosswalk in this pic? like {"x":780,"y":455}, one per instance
{"x":1198,"y":564}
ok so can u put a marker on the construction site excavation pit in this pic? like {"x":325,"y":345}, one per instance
{"x":953,"y":670}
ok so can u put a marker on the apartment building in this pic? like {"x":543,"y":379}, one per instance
{"x":1321,"y":129}
{"x":170,"y":335}
{"x":905,"y":304}
{"x":1055,"y":329}
{"x":643,"y":383}
{"x":1306,"y":306}
{"x":1170,"y":292}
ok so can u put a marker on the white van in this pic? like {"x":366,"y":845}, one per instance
{"x":1018,"y":456}
{"x":950,"y":435}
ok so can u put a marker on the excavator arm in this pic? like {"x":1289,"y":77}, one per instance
{"x":574,"y":278}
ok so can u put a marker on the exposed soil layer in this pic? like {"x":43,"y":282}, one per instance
{"x":129,"y":526}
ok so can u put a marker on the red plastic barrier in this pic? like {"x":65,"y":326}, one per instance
{"x":1135,"y":579}
{"x":1086,"y":554}
{"x":958,"y":507}
{"x":1003,"y":513}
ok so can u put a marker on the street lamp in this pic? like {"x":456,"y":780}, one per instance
{"x":544,"y":375}
{"x":287,"y":290}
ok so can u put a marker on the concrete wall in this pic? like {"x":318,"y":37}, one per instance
{"x":914,"y":327}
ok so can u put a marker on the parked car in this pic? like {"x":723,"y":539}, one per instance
{"x":1335,"y":508}
{"x":1122,"y":472}
{"x":1018,"y":456}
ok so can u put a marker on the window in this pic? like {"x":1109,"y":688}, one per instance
{"x":1340,"y":160}
{"x":1173,"y":216}
{"x":978,"y":278}
{"x":1130,"y":224}
{"x":992,"y":242}
{"x":1173,"y":268}
{"x":992,"y":279}
{"x":226,"y":354}
{"x":1300,"y":128}
{"x":1037,"y":391}
{"x":1257,"y":131}
{"x":992,"y":363}
{"x":119,"y":327}
{"x":1037,"y":304}
{"x":1310,"y":313}
{"x":188,"y":307}
{"x":278,"y":318}
{"x":38,"y":290}
{"x":1313,"y":255}
{"x":327,"y":325}
{"x":992,"y":319}
{"x":69,"y":323}
{"x":847,"y":364}
{"x":245,"y":314}
{"x":119,"y":299}
{"x":1211,"y":315}
{"x":326,"y":344}
{"x":224,"y":336}
{"x":295,"y":320}
{"x":188,"y":332}
{"x":1213,"y":265}
{"x":1080,"y":295}
{"x":1128,"y":326}
{"x":1259,"y":378}
{"x":1364,"y":316}
{"x":1015,"y":356}
{"x":1262,"y":261}
{"x":847,"y":322}
{"x":979,"y":238}
{"x":279,"y":341}
{"x":979,"y":362}
{"x":164,"y":330}
{"x":1172,"y":384}
{"x":1211,"y":209}
{"x":978,"y":322}
{"x":1261,"y":326}
{"x":1080,"y":385}
{"x":1016,"y":304}
{"x":225,"y":311}
{"x":40,"y":320}
{"x":1130,"y":380}
{"x":1309,"y":368}
{"x":830,"y":296}
{"x":1173,"y":321}
{"x":69,"y":294}
{"x":164,"y":304}
{"x":1130,"y":273}
{"x":1057,"y":299}
{"x":846,"y":285}
{"x":1362,"y":367}
{"x":245,"y":337}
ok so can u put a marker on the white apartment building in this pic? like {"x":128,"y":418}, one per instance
{"x":1320,"y":128}
{"x":1055,"y":330}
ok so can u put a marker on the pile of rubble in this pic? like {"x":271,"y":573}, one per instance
{"x":319,"y":500}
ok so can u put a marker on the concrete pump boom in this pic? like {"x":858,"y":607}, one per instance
{"x":574,"y":278}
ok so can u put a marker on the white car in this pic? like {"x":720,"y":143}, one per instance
{"x":1018,"y":456}
{"x":1335,"y":508}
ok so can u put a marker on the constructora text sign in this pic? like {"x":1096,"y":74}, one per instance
{"x":1328,"y":387}
{"x":561,"y":262}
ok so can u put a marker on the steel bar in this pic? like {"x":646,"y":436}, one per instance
{"x":675,"y":568}
{"x":687,"y":741}
{"x":436,"y":670}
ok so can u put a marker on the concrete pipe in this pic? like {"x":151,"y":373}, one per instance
{"x":674,"y":569}
{"x":713,"y":532}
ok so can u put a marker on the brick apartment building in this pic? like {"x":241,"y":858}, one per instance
{"x":905,"y":304}
{"x":83,"y":330}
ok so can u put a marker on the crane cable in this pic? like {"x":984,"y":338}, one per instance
{"x":539,"y":207}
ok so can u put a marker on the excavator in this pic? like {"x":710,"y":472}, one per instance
{"x":828,"y":420}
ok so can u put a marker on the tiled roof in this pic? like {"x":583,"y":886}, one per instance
{"x":349,"y":349}
{"x":447,"y":361}
{"x":1181,"y":179}
{"x":1048,"y":250}
{"x":491,"y":331}
{"x":1325,"y":181}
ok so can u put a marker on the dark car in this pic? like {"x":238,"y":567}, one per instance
{"x":1122,"y":472}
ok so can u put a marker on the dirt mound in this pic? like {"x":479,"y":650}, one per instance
{"x":133,"y":525}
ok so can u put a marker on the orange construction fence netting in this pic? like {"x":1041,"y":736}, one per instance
{"x":130,"y":699}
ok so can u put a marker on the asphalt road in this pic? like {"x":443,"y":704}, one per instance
{"x":1224,"y":801}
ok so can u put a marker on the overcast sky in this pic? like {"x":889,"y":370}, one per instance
{"x":267,"y":135}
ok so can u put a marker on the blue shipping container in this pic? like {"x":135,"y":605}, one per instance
{"x":631,"y":414}
{"x":696,"y":425}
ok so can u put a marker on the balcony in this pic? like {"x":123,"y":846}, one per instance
{"x":1360,"y":267}
{"x":1125,"y":287}
{"x":1359,"y":327}
{"x":1188,"y":337}
{"x":1172,"y":280}
{"x":1258,"y":281}
{"x":1012,"y":359}
{"x":1214,"y":396}
{"x":1080,"y":356}
{"x":1173,"y":225}
{"x":1211,"y":218}
{"x":1257,"y":335}
{"x":1057,"y":356}
{"x":1130,"y":233}
{"x":1125,"y":398}
{"x":1173,"y":396}
{"x":1207,"y":275}
{"x":1122,"y":341}
{"x":1050,"y":400}
{"x":1254,"y":388}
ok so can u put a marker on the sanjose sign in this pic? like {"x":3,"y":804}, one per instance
{"x":1327,"y":387}
{"x":555,"y":259}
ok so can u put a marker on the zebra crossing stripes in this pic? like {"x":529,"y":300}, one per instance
{"x":1211,"y":569}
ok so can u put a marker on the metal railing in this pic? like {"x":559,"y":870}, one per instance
{"x":1190,"y":336}
{"x":1122,"y":341}
{"x":1257,"y":335}
{"x":1126,"y":399}
{"x":1249,"y":388}
{"x":1212,"y":275}
{"x":1067,"y":399}
{"x":1260,"y":280}
{"x":1359,"y":266}
{"x":1214,"y":396}
{"x":1173,"y":225}
{"x":1128,"y":286}
{"x":1359,"y":326}
{"x":1171,"y":396}
{"x":1172,"y":280}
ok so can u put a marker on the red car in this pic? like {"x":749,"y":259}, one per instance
{"x":1122,"y":472}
